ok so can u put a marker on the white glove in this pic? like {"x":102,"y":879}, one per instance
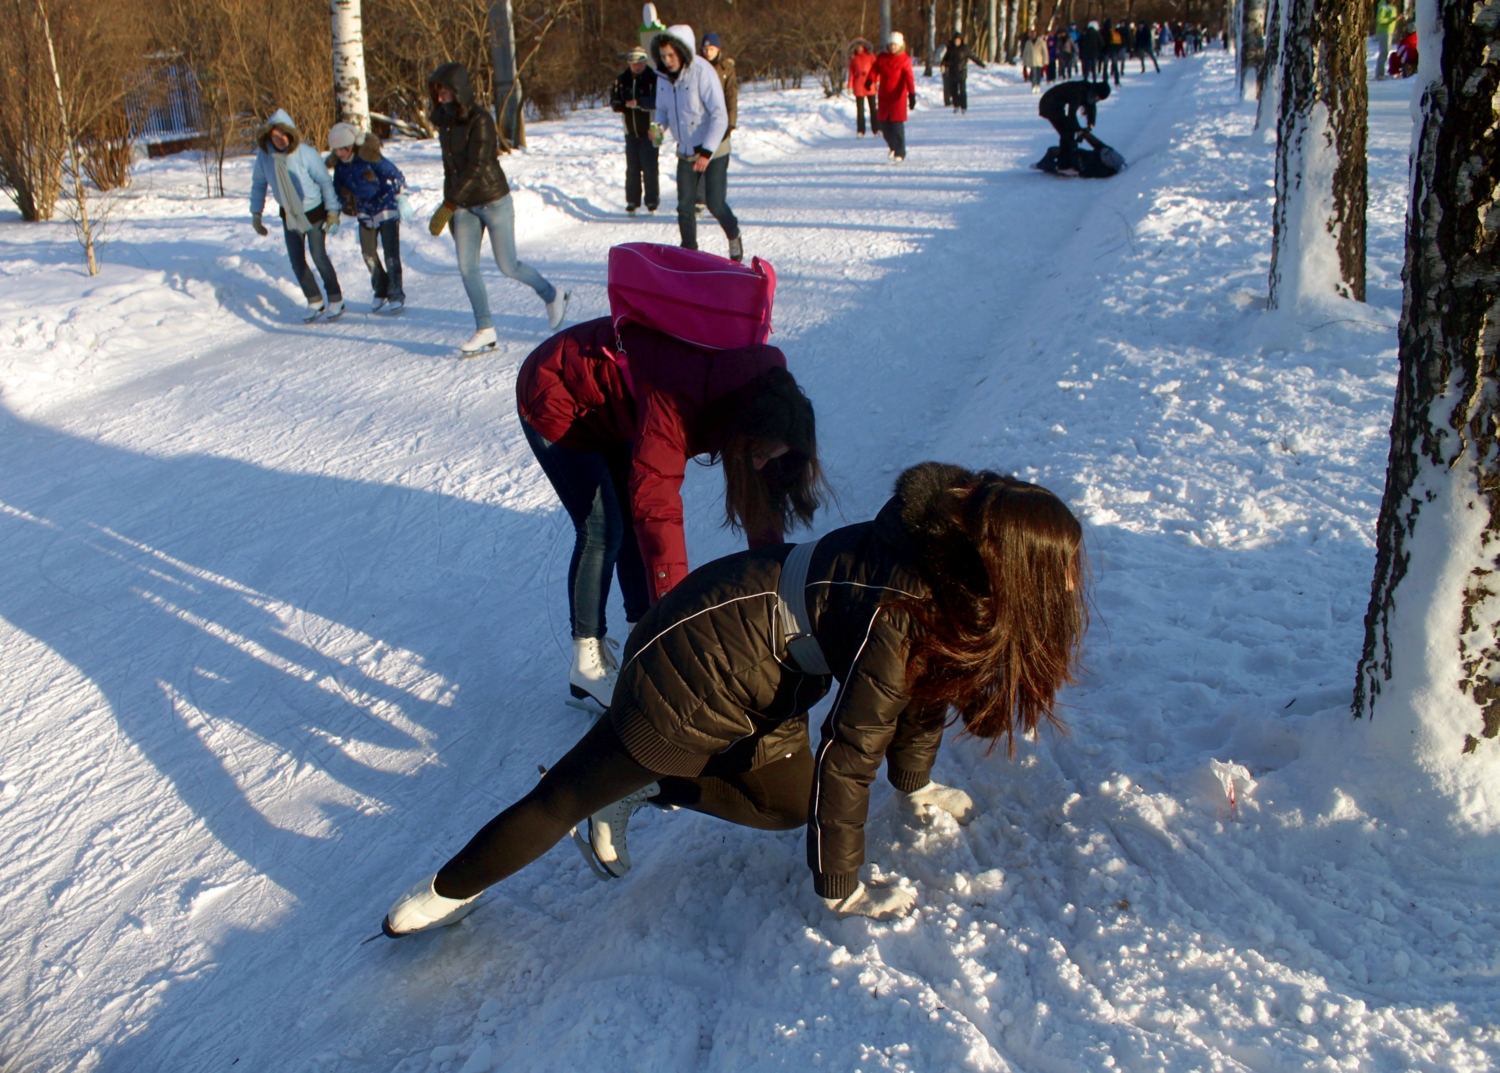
{"x":403,"y":206}
{"x":879,"y":903}
{"x":953,"y":801}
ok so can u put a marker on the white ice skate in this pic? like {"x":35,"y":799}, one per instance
{"x":595,"y":669}
{"x":395,"y":305}
{"x":312,"y":313}
{"x":423,"y":908}
{"x":605,"y":849}
{"x":377,"y":305}
{"x":557,"y":309}
{"x":335,"y":309}
{"x":483,"y":339}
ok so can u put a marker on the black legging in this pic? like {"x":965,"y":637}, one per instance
{"x":598,"y":772}
{"x":1067,"y":134}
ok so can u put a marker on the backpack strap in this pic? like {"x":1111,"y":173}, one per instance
{"x":791,"y":602}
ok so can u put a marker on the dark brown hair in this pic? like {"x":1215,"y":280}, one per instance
{"x":1003,"y":630}
{"x":786,"y":491}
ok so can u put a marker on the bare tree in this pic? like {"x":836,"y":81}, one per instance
{"x":1318,"y":227}
{"x":1429,"y":676}
{"x":350,"y":88}
{"x":77,"y":189}
{"x":1269,"y":103}
{"x":1251,"y":32}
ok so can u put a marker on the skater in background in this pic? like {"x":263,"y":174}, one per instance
{"x":1036,"y":60}
{"x":476,"y":199}
{"x":373,"y":190}
{"x":956,"y":60}
{"x":965,"y":591}
{"x":895,"y":91}
{"x":1114,"y":51}
{"x":633,"y":95}
{"x":1067,"y":55}
{"x":690,"y":103}
{"x":294,"y":173}
{"x":616,"y":448}
{"x":1386,"y":17}
{"x":861,"y":63}
{"x":1090,"y":51}
{"x":1145,"y":46}
{"x":730,"y":82}
{"x":1060,"y":106}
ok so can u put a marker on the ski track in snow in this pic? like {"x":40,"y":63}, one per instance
{"x":283,"y":623}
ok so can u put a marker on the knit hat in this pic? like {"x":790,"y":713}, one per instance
{"x":636,"y":55}
{"x":897,"y":41}
{"x":344,"y":136}
{"x":710,"y":39}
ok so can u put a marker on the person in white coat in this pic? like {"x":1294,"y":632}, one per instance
{"x":690,"y":104}
{"x":295,"y":174}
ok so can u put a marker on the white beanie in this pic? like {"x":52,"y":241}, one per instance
{"x":342,"y":135}
{"x":897,"y":41}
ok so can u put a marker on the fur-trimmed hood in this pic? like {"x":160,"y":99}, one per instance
{"x":282,"y":121}
{"x":917,"y":522}
{"x":682,"y":40}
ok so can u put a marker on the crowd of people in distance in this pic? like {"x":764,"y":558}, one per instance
{"x":672,"y":85}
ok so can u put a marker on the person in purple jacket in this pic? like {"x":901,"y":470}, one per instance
{"x":372,"y":188}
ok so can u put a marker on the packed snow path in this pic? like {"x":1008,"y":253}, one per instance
{"x":283,"y":623}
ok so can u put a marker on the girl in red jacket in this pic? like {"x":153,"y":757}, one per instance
{"x":613,"y":430}
{"x":861,"y":63}
{"x":895,"y":92}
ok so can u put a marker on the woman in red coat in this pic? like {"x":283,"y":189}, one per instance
{"x":861,"y":63}
{"x":896,"y":91}
{"x":614,"y":431}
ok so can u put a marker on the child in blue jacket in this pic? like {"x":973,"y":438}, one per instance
{"x":291,"y":171}
{"x":370,"y":187}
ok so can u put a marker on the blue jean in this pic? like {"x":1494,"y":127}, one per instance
{"x":469,"y":226}
{"x":385,"y":279}
{"x":314,"y":242}
{"x":594,"y":489}
{"x":715,"y":192}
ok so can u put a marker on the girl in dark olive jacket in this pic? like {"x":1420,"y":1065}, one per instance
{"x":613,"y":417}
{"x":965,"y":591}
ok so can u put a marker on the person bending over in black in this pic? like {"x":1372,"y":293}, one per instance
{"x":1060,"y":106}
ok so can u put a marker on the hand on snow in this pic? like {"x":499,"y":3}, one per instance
{"x":403,"y":206}
{"x":951,"y":800}
{"x":331,"y":225}
{"x":440,"y":220}
{"x":879,"y":903}
{"x":260,"y":228}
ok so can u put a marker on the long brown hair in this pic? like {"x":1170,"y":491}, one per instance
{"x":1003,"y":630}
{"x":786,"y":491}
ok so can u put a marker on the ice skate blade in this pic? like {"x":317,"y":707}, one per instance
{"x":465,"y":355}
{"x":585,"y":848}
{"x":590,"y":706}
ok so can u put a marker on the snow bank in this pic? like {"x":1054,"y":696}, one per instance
{"x":284,"y":623}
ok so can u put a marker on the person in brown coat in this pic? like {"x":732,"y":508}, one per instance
{"x":965,"y":592}
{"x":711,"y":51}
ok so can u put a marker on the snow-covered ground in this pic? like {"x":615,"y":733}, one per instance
{"x":282,"y":623}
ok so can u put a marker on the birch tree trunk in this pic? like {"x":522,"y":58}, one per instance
{"x":1318,"y":227}
{"x":1429,"y":677}
{"x":992,"y":45}
{"x":1270,"y":69}
{"x":885,"y":23}
{"x":1252,"y":38}
{"x":81,"y":221}
{"x":931,"y":37}
{"x":350,"y":90}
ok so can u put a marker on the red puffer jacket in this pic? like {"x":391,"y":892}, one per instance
{"x":572,"y":391}
{"x":895,"y":82}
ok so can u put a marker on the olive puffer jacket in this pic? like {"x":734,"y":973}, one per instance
{"x":471,"y":164}
{"x":707,"y":669}
{"x":573,"y":391}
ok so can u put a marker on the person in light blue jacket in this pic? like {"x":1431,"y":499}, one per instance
{"x":299,"y":181}
{"x":690,"y":104}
